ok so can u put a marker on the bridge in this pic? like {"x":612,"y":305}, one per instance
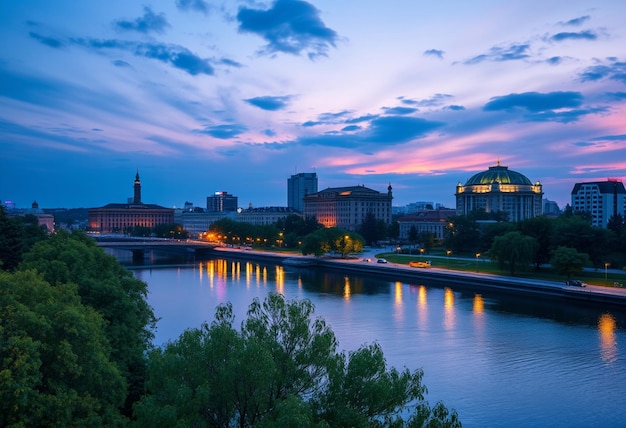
{"x":139,"y":246}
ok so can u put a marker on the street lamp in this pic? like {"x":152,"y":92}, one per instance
{"x":606,"y":266}
{"x":421,"y":252}
{"x":448,"y":252}
{"x":477,"y":256}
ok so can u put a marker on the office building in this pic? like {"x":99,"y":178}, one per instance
{"x":601,"y":199}
{"x":298,"y":186}
{"x":221,"y":202}
{"x":347,"y":207}
{"x":432,"y":221}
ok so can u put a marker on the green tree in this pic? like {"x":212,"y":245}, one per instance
{"x":513,"y":250}
{"x":567,"y":261}
{"x":370,"y":229}
{"x":55,"y":365}
{"x":17,"y":236}
{"x":110,"y":289}
{"x":540,"y":228}
{"x":462,"y":234}
{"x":172,"y":231}
{"x":413,"y":236}
{"x":281,"y":369}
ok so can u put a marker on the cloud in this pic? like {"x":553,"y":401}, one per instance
{"x":174,"y":55}
{"x":497,"y":54}
{"x":224,"y":132}
{"x":455,"y":107}
{"x":581,"y":35}
{"x":555,"y":60}
{"x":434,"y":52}
{"x":560,"y":107}
{"x":385,"y":131}
{"x":361,"y":119}
{"x":535,"y":101}
{"x":193,"y":5}
{"x":615,"y":70}
{"x":148,"y":23}
{"x":566,"y":116}
{"x":399,"y":110}
{"x":577,"y":21}
{"x":48,"y":41}
{"x":616,"y":96}
{"x":350,"y":128}
{"x":269,"y":103}
{"x":120,"y":63}
{"x":289,"y":26}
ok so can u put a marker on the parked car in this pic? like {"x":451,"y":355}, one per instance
{"x":574,"y":283}
{"x":382,"y":261}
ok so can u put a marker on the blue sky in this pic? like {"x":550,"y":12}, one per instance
{"x":202,"y":96}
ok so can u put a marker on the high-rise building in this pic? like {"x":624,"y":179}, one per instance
{"x":601,"y":199}
{"x":221,"y":202}
{"x":298,"y":186}
{"x":347,"y":207}
{"x":500,"y":189}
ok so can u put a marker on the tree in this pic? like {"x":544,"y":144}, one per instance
{"x":567,"y":261}
{"x":369,"y":229}
{"x":55,"y":361}
{"x":280,"y":369}
{"x":512,"y":250}
{"x":413,"y":237}
{"x":107,"y":287}
{"x":17,"y":236}
{"x":540,"y":228}
{"x":462,"y":234}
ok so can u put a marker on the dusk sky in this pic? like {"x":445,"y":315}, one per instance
{"x":202,"y":96}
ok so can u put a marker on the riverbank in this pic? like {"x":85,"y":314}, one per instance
{"x":459,"y":279}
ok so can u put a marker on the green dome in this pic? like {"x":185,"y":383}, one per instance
{"x":498,"y":174}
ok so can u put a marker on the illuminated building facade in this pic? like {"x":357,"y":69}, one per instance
{"x":347,"y":207}
{"x":117,"y":218}
{"x":264,"y":215}
{"x":601,"y":199}
{"x":500,"y":189}
{"x":433,"y":221}
{"x":298,"y":186}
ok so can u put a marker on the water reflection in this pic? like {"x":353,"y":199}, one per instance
{"x":346,"y":288}
{"x":448,"y":305}
{"x":608,"y":342}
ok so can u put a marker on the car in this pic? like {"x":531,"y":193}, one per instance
{"x":574,"y":283}
{"x":425,"y":264}
{"x":381,"y":261}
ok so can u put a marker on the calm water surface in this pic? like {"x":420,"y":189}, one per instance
{"x":499,"y":360}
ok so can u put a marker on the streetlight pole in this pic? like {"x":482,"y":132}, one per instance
{"x":448,"y":255}
{"x":606,"y":272}
{"x":477,"y":256}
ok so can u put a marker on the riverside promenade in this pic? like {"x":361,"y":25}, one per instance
{"x":444,"y":277}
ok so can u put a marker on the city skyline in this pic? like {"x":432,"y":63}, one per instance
{"x":203,"y":96}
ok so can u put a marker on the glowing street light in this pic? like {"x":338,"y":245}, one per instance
{"x":448,"y":252}
{"x":477,"y":256}
{"x":606,"y":272}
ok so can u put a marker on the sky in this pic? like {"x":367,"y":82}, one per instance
{"x":201,"y":96}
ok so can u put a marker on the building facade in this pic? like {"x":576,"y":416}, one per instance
{"x":601,"y":199}
{"x":221,"y":202}
{"x":500,"y":189}
{"x":265,"y":215}
{"x":118,"y":218}
{"x":347,"y":207}
{"x":433,"y":221}
{"x":298,"y":186}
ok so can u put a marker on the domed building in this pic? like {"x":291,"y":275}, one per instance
{"x":500,"y":189}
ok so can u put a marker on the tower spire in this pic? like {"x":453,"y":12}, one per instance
{"x":137,"y":195}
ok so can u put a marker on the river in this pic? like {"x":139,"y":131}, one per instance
{"x":499,"y":360}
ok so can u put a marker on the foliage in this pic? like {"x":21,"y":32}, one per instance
{"x":567,"y":261}
{"x":331,"y":239}
{"x":17,"y":236}
{"x":172,"y":231}
{"x":280,"y":369}
{"x":576,"y":232}
{"x":462,"y":234}
{"x":107,"y":287}
{"x":55,"y":365}
{"x":513,"y":250}
{"x":540,"y":228}
{"x":138,"y":231}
